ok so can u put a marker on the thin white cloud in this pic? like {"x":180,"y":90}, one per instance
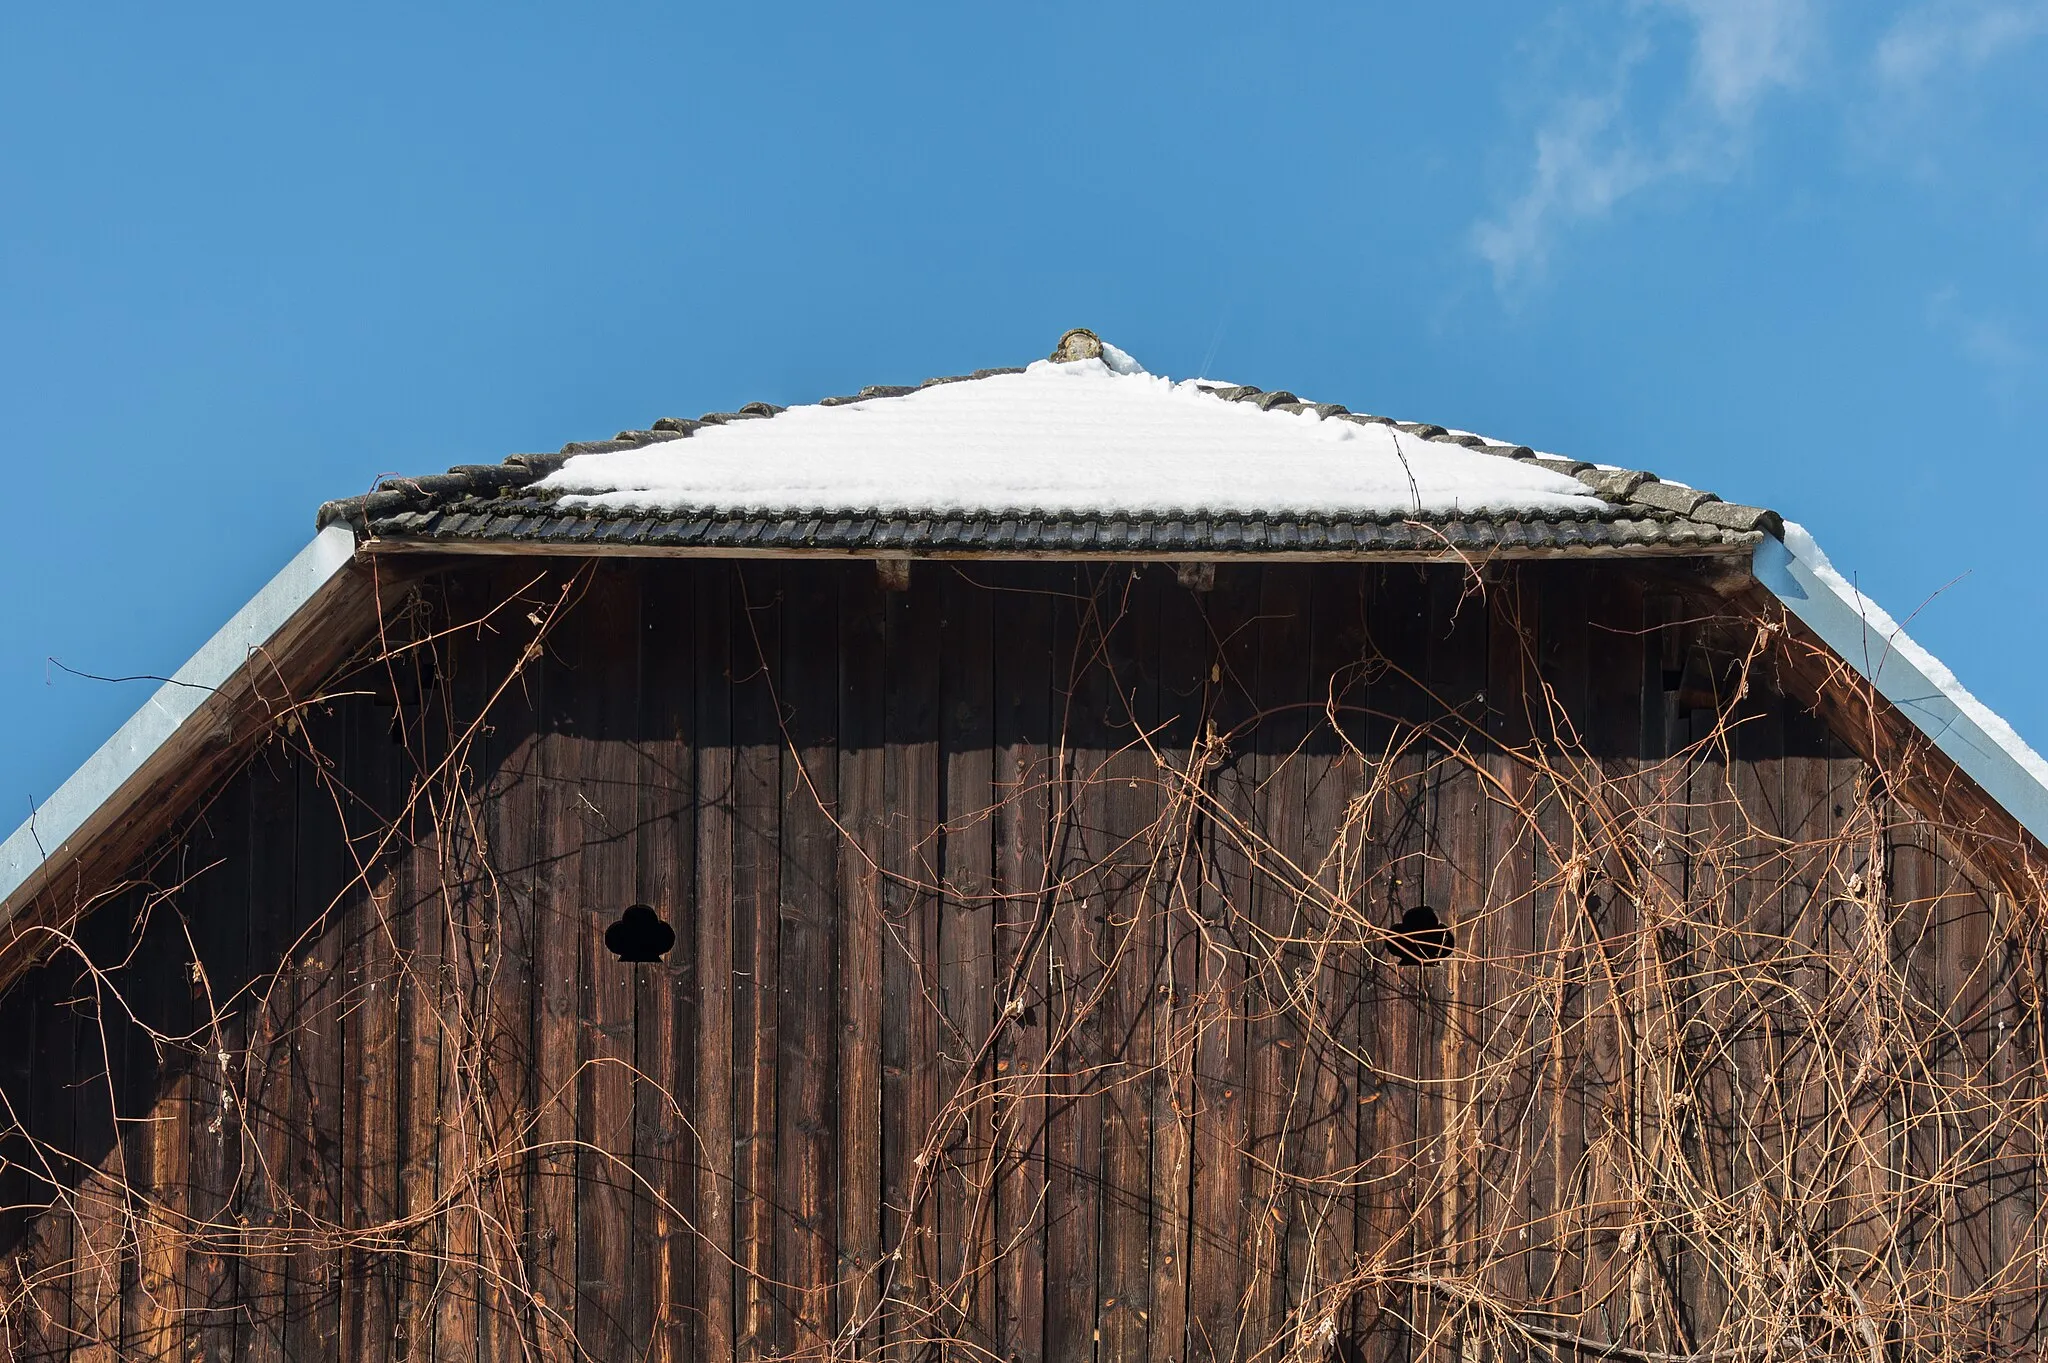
{"x":1590,"y":154}
{"x":1954,"y":36}
{"x":1582,"y":170}
{"x":1745,"y":49}
{"x":2009,"y":364}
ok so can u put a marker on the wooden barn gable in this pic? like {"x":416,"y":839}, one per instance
{"x":1051,"y":864}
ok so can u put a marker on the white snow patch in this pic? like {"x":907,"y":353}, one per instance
{"x":1091,"y":436}
{"x":1886,"y":639}
{"x":1120,"y":361}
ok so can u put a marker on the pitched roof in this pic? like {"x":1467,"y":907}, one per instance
{"x":1083,"y":453}
{"x":296,"y":628}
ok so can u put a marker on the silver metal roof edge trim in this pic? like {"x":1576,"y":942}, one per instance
{"x":1860,"y":642}
{"x":48,"y":832}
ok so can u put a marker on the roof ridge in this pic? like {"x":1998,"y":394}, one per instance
{"x":1629,"y":489}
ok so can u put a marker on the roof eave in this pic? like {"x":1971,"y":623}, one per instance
{"x":411,"y":545}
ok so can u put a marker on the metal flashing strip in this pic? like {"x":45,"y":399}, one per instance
{"x":1872,"y":648}
{"x":58,"y":821}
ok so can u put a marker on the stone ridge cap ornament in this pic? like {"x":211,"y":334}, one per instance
{"x":1078,"y":344}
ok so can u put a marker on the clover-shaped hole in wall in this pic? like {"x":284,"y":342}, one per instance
{"x":640,"y":935}
{"x":1417,"y":935}
{"x":1420,"y":938}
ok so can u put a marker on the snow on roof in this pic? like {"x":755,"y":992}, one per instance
{"x":1097,"y":436}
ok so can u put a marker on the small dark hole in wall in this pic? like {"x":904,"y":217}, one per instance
{"x":1673,"y":678}
{"x":1421,"y":938}
{"x":639,"y":935}
{"x":414,"y":678}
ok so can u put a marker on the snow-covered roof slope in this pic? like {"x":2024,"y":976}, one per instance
{"x":1093,"y":436}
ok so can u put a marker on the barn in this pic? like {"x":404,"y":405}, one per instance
{"x":1049,"y":865}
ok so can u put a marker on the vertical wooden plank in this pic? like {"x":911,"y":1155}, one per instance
{"x":18,"y":1012}
{"x":1392,"y":1137}
{"x":459,"y":1106}
{"x":909,"y":1024}
{"x":1322,"y":1127}
{"x":372,"y":1062}
{"x":137,"y":1093}
{"x":1120,"y":804}
{"x":713,"y":1318}
{"x":1552,"y":930}
{"x":1328,"y":987}
{"x":97,"y":1232}
{"x":1621,"y":699}
{"x":1512,"y":1031}
{"x":1693,"y":967}
{"x":1693,"y":1291}
{"x":45,"y":1255}
{"x":863,"y":949}
{"x":1023,"y":610}
{"x":1583,"y":646}
{"x":1219,"y":1262}
{"x":1276,"y":1045}
{"x":599,"y":784}
{"x":757,"y":806}
{"x":274,"y":923}
{"x":806,"y":1150}
{"x":1174,"y":949}
{"x":1341,"y":822}
{"x":1073,"y":1029}
{"x":160,"y":993}
{"x":1469,"y":623}
{"x":2003,"y":1173}
{"x":1458,"y":881}
{"x":317,"y":1040}
{"x":1334,"y":858}
{"x":518,"y":893}
{"x":1756,"y":905}
{"x":1915,"y":1238}
{"x":215,"y":904}
{"x":425,"y":1002}
{"x":558,"y":935}
{"x":1817,"y":801}
{"x":19,"y":1188}
{"x":2012,"y":1072}
{"x":965,"y":961}
{"x":1659,"y":980}
{"x":1971,"y":1176}
{"x":667,"y":1016}
{"x":155,"y":985}
{"x":1949,"y":1245}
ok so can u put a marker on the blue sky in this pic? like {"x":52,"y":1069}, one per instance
{"x":253,"y":257}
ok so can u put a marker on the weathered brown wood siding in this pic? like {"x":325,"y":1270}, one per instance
{"x":1029,"y":992}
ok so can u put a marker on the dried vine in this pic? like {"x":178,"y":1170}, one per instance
{"x":1693,"y":1081}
